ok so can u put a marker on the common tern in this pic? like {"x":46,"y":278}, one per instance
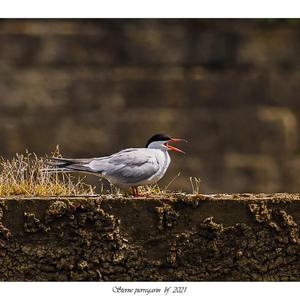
{"x":128,"y":168}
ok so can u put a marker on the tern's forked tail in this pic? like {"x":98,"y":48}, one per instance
{"x":68,"y":165}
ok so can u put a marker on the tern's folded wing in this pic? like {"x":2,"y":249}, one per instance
{"x":128,"y":166}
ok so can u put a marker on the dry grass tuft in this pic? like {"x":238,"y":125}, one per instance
{"x":152,"y":190}
{"x":195,"y":184}
{"x":156,"y":190}
{"x":25,"y":175}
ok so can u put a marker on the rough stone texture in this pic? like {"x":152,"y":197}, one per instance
{"x":97,"y":86}
{"x":240,"y":237}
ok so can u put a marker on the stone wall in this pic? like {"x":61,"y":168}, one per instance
{"x":230,"y":87}
{"x":239,"y":237}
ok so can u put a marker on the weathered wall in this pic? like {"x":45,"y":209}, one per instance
{"x":192,"y":238}
{"x":231,"y":87}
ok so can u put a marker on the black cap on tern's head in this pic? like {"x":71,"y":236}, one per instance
{"x":159,"y":137}
{"x":161,"y":141}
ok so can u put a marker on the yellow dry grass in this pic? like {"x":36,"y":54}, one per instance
{"x":25,"y":175}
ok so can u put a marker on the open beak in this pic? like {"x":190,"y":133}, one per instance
{"x":174,"y":148}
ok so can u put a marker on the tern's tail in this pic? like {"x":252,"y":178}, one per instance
{"x":68,"y":164}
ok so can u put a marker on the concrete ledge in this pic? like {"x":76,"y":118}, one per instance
{"x":180,"y":237}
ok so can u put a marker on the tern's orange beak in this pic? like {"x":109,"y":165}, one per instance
{"x":174,"y":148}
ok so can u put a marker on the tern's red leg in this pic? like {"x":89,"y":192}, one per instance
{"x":133,"y":191}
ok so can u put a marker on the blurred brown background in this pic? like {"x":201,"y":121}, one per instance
{"x":230,"y":87}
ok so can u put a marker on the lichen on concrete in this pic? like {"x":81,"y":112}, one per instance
{"x":181,"y":237}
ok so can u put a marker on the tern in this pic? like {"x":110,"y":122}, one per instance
{"x":128,"y":168}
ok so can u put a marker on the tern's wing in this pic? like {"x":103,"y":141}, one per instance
{"x":128,"y":166}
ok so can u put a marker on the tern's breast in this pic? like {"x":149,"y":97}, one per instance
{"x":164,"y":160}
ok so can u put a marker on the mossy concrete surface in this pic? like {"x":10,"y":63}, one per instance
{"x":240,"y":237}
